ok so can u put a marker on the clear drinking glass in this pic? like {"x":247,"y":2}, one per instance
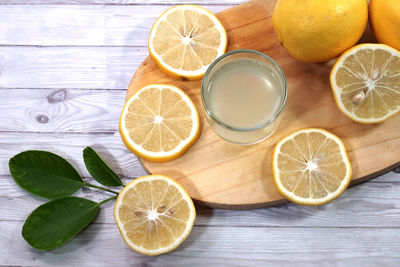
{"x":243,"y":93}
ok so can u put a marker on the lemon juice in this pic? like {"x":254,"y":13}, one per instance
{"x":243,"y":97}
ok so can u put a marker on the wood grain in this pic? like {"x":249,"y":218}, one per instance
{"x":93,"y":25}
{"x":223,"y":175}
{"x":367,"y":205}
{"x":68,"y":67}
{"x":209,"y":245}
{"x":123,"y":3}
{"x":61,"y":110}
{"x":70,"y":147}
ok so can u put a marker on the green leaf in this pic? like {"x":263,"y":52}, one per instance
{"x":44,"y":174}
{"x":99,"y":169}
{"x":57,"y":221}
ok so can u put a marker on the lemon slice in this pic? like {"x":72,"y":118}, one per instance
{"x":366,"y":82}
{"x":184,"y":41}
{"x":154,"y":214}
{"x":311,"y":167}
{"x":159,"y":123}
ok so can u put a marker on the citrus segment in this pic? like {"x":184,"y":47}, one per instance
{"x":159,"y":123}
{"x":185,"y":40}
{"x":311,"y":167}
{"x":366,"y":82}
{"x":154,"y":214}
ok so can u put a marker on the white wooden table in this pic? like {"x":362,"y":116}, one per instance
{"x":64,"y":69}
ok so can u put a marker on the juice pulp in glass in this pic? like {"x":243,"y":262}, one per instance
{"x":245,"y":94}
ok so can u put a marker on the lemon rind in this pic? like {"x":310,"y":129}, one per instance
{"x":337,"y":90}
{"x":311,"y":201}
{"x":161,"y":156}
{"x":179,"y":73}
{"x":179,"y":240}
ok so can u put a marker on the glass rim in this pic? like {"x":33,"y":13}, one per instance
{"x":243,"y":51}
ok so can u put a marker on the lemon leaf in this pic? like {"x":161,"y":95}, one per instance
{"x":44,"y":174}
{"x":57,"y":221}
{"x":99,"y":169}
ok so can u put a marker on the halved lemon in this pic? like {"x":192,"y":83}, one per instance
{"x":366,"y":82}
{"x":154,"y":214}
{"x":311,"y":167}
{"x":184,"y":41}
{"x":159,"y":123}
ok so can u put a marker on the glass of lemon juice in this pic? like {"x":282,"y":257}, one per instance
{"x":243,"y":93}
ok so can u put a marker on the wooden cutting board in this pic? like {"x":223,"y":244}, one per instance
{"x":223,"y":175}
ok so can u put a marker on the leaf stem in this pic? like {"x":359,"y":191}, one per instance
{"x":100,"y":187}
{"x":106,"y":200}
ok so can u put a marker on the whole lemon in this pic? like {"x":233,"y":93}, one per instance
{"x":319,"y":30}
{"x":384,"y":16}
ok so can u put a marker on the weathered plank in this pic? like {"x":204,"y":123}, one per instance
{"x":122,"y":2}
{"x":69,"y":67}
{"x":366,"y":205}
{"x":83,"y":25}
{"x":390,"y":177}
{"x":61,"y":110}
{"x":70,"y":146}
{"x":217,"y":245}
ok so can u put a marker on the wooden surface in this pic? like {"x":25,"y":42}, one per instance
{"x":57,"y":63}
{"x":219,"y":174}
